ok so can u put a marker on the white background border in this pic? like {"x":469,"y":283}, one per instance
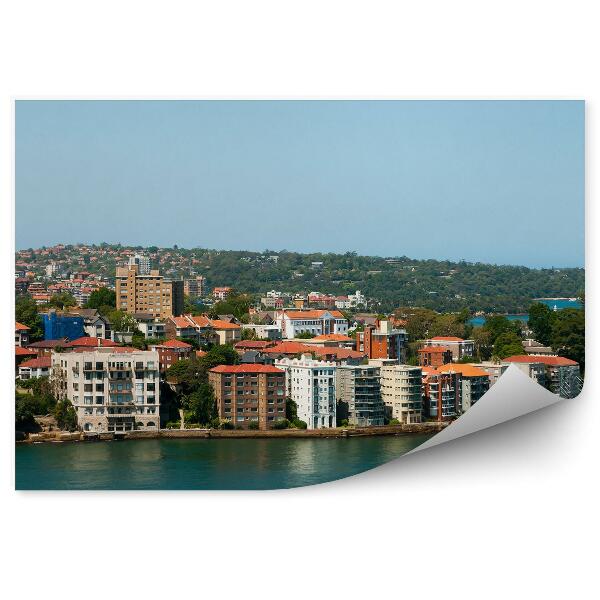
{"x":507,"y":513}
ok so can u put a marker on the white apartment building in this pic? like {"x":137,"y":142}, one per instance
{"x":311,"y":385}
{"x":111,"y":391}
{"x":51,"y":269}
{"x":358,"y":390}
{"x":401,"y":390}
{"x":143,"y":263}
{"x":318,"y":322}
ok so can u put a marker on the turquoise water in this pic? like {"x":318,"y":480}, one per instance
{"x":560,"y":304}
{"x":250,"y":464}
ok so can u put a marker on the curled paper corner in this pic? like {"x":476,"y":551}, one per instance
{"x":513,"y":395}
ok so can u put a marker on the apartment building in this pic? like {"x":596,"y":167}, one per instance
{"x":147,"y":293}
{"x":401,"y":390}
{"x":459,"y":347}
{"x":220,"y":293}
{"x":493,"y":369}
{"x":560,"y":375}
{"x":441,"y":394}
{"x":142,"y":262}
{"x":382,"y":341}
{"x":475,"y":382}
{"x":21,"y":334}
{"x":195,"y":286}
{"x":150,"y":326}
{"x":170,"y":352}
{"x":434,"y":356}
{"x":311,"y":385}
{"x":111,"y":389}
{"x":358,"y":392}
{"x":249,"y":393}
{"x":317,"y":322}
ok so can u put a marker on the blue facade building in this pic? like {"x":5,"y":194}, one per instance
{"x":58,"y":326}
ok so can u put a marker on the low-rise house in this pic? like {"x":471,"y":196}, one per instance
{"x":220,"y":293}
{"x":111,"y":389}
{"x":94,"y":324}
{"x":561,"y":375}
{"x":265,"y":332}
{"x":151,"y":327}
{"x":224,"y":332}
{"x":358,"y":392}
{"x":249,"y":393}
{"x":401,"y":390}
{"x":46,"y":347}
{"x":311,"y":385}
{"x":434,"y":356}
{"x":459,"y":347}
{"x":331,"y":340}
{"x":35,"y":367}
{"x":21,"y":334}
{"x":170,"y":352}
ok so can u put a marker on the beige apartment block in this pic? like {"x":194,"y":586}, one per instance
{"x":401,"y":390}
{"x":111,"y":390}
{"x":148,"y":293}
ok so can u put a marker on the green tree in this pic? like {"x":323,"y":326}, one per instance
{"x":201,"y":403}
{"x":541,"y":322}
{"x":102,"y":298}
{"x":24,"y":411}
{"x":498,"y":325}
{"x":62,"y":300}
{"x":568,"y":335}
{"x":26,"y":313}
{"x":507,"y":344}
{"x":65,"y":415}
{"x":235,"y":304}
{"x":122,"y":321}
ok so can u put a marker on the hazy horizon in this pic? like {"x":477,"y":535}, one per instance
{"x":496,"y":182}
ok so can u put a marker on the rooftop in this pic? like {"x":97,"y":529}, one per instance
{"x":246,"y":368}
{"x":556,"y":361}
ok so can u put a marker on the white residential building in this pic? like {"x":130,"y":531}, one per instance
{"x":401,"y":390}
{"x":358,"y":390}
{"x":111,"y":390}
{"x":318,"y":322}
{"x":142,"y":262}
{"x":311,"y":385}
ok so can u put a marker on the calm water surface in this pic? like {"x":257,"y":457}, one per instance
{"x":202,"y":464}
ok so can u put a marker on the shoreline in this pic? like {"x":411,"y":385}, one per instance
{"x":338,"y":432}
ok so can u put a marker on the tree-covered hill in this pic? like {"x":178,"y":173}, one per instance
{"x":393,"y":282}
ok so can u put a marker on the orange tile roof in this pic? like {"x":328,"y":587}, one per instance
{"x":21,"y":327}
{"x":200,"y":320}
{"x":339,"y":353}
{"x":441,"y":338}
{"x":45,"y":362}
{"x":333,"y":337}
{"x":253,"y":368}
{"x":253,"y":344}
{"x":289,"y":348}
{"x":465,"y":369}
{"x":434,"y":349}
{"x":182,"y":322}
{"x":557,"y":361}
{"x":218,"y":324}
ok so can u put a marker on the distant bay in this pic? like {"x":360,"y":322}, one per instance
{"x":559,"y":303}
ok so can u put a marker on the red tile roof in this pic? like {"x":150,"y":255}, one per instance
{"x":465,"y":369}
{"x":556,"y":361}
{"x":174,"y":344}
{"x":45,"y":362}
{"x":24,"y":351}
{"x":114,"y":350}
{"x":338,"y":353}
{"x":253,"y":344}
{"x":90,"y":342}
{"x":48,"y":343}
{"x":21,"y":327}
{"x":181,"y":322}
{"x":253,"y":368}
{"x":441,"y":338}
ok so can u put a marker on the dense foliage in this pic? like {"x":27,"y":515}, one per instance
{"x":26,"y":313}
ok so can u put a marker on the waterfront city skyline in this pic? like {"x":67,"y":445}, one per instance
{"x":479,"y":181}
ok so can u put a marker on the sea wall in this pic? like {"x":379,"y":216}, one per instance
{"x":340,"y":432}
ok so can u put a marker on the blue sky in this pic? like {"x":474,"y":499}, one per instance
{"x":499,"y":182}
